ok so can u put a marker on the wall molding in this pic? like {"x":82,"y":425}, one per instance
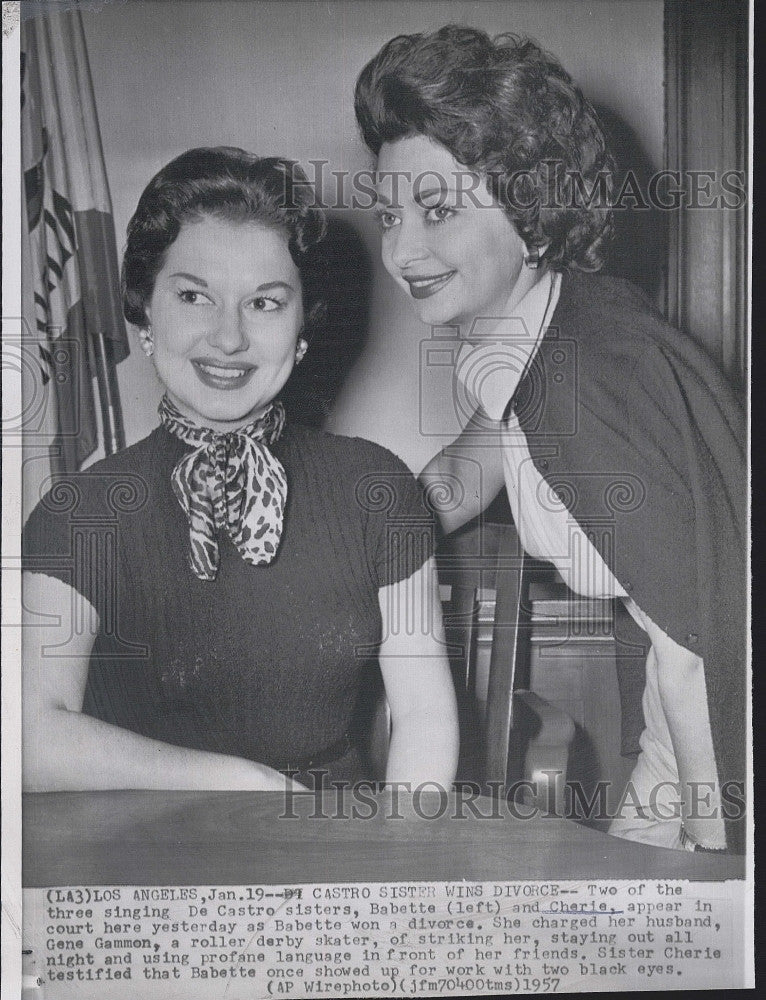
{"x":706,"y":129}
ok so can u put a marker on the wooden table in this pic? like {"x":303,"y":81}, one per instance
{"x":235,"y":838}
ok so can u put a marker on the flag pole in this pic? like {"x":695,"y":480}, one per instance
{"x":108,"y":394}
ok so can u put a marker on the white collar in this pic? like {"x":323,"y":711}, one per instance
{"x":490,"y":371}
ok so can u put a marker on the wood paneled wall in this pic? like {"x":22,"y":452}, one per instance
{"x":706,"y":53}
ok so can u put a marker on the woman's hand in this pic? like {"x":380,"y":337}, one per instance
{"x":418,"y":682}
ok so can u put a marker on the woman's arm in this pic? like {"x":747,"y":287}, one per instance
{"x":465,"y":477}
{"x":416,"y":674}
{"x":683,"y":693}
{"x":65,"y":750}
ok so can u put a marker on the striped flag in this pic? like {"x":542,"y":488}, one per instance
{"x":72,"y":296}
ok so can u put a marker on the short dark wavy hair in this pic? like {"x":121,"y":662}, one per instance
{"x":508,"y":111}
{"x":231,"y":184}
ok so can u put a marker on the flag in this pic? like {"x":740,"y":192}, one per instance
{"x":72,"y":295}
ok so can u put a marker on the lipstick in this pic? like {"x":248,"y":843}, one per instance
{"x":224,"y":375}
{"x":427,"y":285}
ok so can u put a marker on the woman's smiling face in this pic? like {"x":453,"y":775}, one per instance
{"x":225,"y":315}
{"x":447,"y":243}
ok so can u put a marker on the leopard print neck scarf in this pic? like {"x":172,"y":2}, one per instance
{"x":231,"y":482}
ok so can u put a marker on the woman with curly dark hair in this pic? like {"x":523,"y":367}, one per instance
{"x":616,"y":438}
{"x":216,"y":592}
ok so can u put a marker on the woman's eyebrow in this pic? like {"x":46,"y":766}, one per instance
{"x":265,"y":287}
{"x":189,"y":277}
{"x":268,"y":285}
{"x":419,"y":196}
{"x":442,"y":191}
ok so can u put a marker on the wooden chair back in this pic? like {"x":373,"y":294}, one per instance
{"x":512,"y":735}
{"x":508,"y":734}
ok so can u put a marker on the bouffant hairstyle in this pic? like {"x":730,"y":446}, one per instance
{"x":509,"y":112}
{"x":231,"y":184}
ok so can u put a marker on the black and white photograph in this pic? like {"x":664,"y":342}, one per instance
{"x":376,"y":587}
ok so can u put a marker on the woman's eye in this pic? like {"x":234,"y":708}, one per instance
{"x":192,"y":297}
{"x":387,"y":220}
{"x":439,"y":214}
{"x":265,"y":304}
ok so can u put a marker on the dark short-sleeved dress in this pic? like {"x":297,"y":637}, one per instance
{"x":265,"y":662}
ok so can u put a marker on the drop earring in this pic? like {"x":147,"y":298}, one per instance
{"x":301,"y":348}
{"x":532,"y":259}
{"x":147,"y":341}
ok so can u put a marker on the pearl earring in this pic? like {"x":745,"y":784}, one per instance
{"x":300,"y":350}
